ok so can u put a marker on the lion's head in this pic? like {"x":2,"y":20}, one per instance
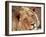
{"x":27,"y":19}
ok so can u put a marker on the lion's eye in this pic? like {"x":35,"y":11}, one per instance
{"x":18,"y":16}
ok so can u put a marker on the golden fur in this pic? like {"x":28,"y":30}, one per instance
{"x":27,"y":19}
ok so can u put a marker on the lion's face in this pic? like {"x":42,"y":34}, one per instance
{"x":27,"y":19}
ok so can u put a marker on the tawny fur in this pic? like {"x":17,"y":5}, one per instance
{"x":27,"y":18}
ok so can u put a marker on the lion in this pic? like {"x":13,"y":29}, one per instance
{"x":25,"y":19}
